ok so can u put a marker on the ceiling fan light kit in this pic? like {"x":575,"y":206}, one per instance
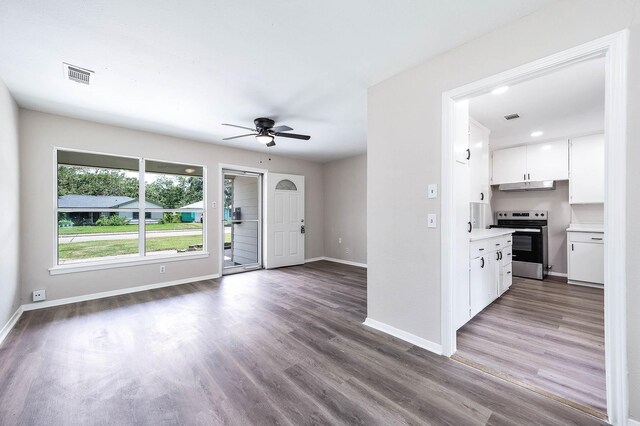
{"x":265,"y":132}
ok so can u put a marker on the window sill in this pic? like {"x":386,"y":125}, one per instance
{"x":95,"y":266}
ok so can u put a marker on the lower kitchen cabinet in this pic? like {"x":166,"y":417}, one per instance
{"x":482,"y":283}
{"x":585,"y":257}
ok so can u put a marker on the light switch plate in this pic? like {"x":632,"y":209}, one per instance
{"x":431,"y":221}
{"x":214,"y":204}
{"x":432,"y":191}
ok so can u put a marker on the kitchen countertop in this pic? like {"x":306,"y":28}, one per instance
{"x":586,"y":227}
{"x":482,"y":234}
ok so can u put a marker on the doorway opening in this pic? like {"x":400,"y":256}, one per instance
{"x":241,"y":221}
{"x":560,"y":307}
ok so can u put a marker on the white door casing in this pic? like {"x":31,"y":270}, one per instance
{"x":284,"y":220}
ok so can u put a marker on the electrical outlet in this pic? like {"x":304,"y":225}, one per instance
{"x":214,"y":205}
{"x":39,"y":295}
{"x":162,"y":269}
{"x":347,"y":250}
{"x":339,"y":240}
{"x":431,"y":221}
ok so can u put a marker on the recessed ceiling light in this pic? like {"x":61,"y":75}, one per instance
{"x":537,"y":133}
{"x":189,"y":170}
{"x":499,"y":90}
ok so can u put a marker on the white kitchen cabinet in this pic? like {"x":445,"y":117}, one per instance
{"x":482,"y":283}
{"x":531,"y":163}
{"x":461,"y":132}
{"x":509,"y":165}
{"x":462,"y":229}
{"x":548,"y":161}
{"x":586,"y":183}
{"x":479,"y":162}
{"x":585,"y":257}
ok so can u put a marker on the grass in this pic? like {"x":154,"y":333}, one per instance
{"x":72,"y":230}
{"x":90,"y":249}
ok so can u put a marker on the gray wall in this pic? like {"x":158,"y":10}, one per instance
{"x":40,"y":133}
{"x":345,"y":209}
{"x":245,"y":234}
{"x":404,"y":261}
{"x":557,"y":202}
{"x":10,"y":196}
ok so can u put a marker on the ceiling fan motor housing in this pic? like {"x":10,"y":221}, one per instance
{"x":264,"y":123}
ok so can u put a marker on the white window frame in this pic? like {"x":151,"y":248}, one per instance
{"x":142,"y":258}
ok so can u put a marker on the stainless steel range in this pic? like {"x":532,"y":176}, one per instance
{"x":530,"y":241}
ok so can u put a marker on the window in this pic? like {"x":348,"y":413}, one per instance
{"x":100,"y":202}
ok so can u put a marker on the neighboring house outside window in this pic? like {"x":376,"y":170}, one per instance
{"x":98,"y":208}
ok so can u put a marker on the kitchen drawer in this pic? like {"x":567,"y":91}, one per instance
{"x":479,"y":248}
{"x":507,"y":241}
{"x":586,"y":237}
{"x":507,"y":255}
{"x":507,"y":277}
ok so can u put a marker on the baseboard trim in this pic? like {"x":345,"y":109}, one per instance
{"x":631,"y":422}
{"x":10,"y":324}
{"x":333,"y":259}
{"x":557,"y":274}
{"x":346,"y":262}
{"x":103,"y":294}
{"x":403,"y":335}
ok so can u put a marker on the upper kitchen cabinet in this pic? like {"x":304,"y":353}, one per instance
{"x":509,"y":165}
{"x":586,"y":184}
{"x":461,"y":149}
{"x":530,"y":163}
{"x":479,"y":162}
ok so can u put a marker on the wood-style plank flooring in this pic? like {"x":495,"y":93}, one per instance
{"x":547,"y":335}
{"x":284,"y":346}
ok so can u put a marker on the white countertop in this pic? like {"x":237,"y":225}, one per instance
{"x":482,"y":234}
{"x":586,"y":227}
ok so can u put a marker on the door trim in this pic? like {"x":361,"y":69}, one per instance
{"x":614,"y":48}
{"x":220,"y":207}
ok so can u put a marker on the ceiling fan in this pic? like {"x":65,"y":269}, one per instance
{"x":265,"y":132}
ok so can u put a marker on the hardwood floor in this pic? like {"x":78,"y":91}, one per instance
{"x":284,"y":346}
{"x":546,"y":335}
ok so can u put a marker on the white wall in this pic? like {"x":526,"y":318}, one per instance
{"x":404,"y":261}
{"x":40,"y":133}
{"x":556,"y":202}
{"x":10,"y":217}
{"x":345,"y":209}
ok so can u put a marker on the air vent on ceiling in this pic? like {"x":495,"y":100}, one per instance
{"x":511,"y":116}
{"x":77,"y":74}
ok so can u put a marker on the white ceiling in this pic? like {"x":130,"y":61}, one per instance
{"x":182,"y":68}
{"x":567,"y":102}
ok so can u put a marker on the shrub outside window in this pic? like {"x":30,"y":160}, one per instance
{"x":100,"y":201}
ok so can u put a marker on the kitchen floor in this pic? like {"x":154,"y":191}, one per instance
{"x":547,"y":336}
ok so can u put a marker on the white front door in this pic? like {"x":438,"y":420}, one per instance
{"x":285,"y":220}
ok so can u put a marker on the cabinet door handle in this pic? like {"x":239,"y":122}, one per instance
{"x":468,"y":154}
{"x":481,"y":196}
{"x":469,"y":225}
{"x":482,"y":260}
{"x":571,"y":247}
{"x":596,"y":239}
{"x":528,"y":176}
{"x":524,"y":176}
{"x":497,"y":255}
{"x":500,"y":255}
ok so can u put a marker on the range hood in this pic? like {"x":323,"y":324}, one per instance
{"x":542,"y":185}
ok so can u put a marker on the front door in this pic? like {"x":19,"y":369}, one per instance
{"x":285,"y":220}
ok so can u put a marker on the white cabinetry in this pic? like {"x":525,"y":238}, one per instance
{"x":509,"y":165}
{"x":479,"y":162}
{"x":530,"y":163}
{"x":586,"y":184}
{"x":488,"y":276}
{"x":461,"y":132}
{"x":585,"y":257}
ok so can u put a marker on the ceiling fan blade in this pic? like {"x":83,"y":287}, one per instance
{"x":270,"y":144}
{"x":293,"y":136}
{"x":241,"y":136}
{"x":239,"y":127}
{"x":281,"y":129}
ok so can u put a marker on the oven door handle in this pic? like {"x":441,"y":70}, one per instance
{"x":527,"y":231}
